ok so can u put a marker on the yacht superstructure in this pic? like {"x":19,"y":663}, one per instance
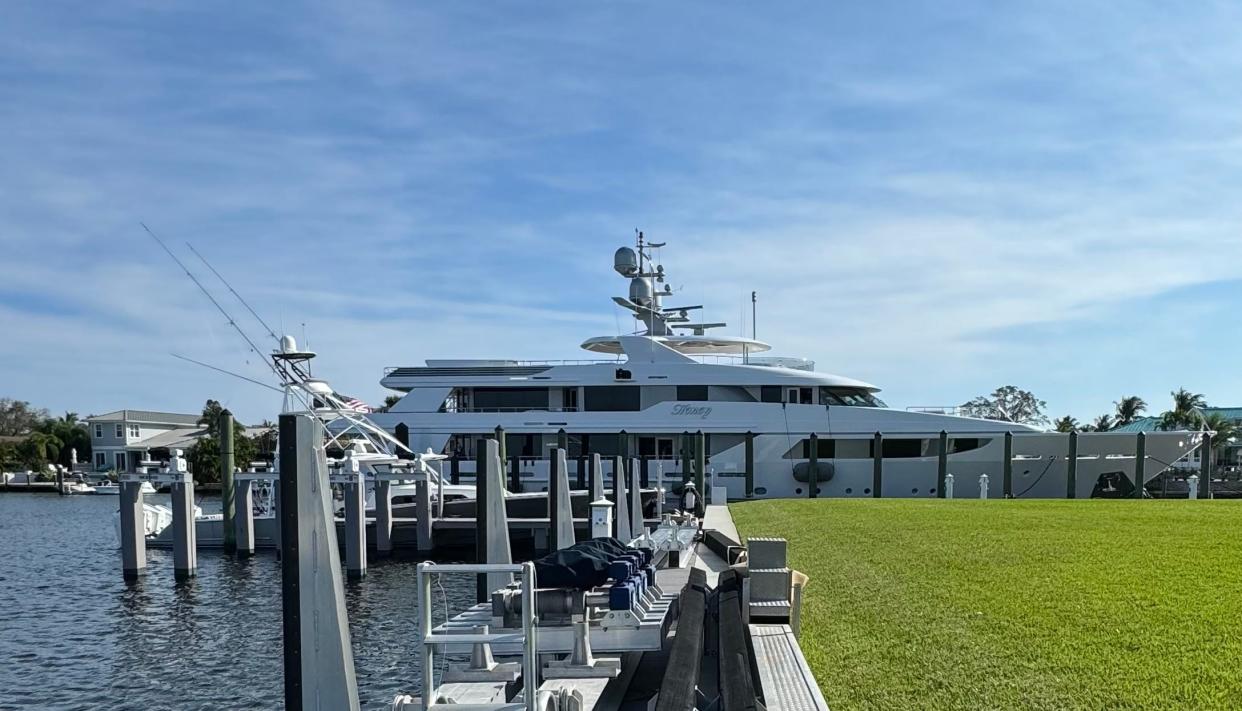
{"x":676,"y":377}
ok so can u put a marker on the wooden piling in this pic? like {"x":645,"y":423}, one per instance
{"x":942,"y":463}
{"x":1008,"y":466}
{"x":750,"y":465}
{"x":1206,"y":452}
{"x":1140,"y":464}
{"x":1071,"y":467}
{"x":226,"y":481}
{"x":877,"y":464}
{"x":812,"y":475}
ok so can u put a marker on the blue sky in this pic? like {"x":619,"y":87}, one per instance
{"x":936,"y":200}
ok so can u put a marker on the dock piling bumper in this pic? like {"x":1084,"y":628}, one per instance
{"x":133,"y":535}
{"x":383,"y":517}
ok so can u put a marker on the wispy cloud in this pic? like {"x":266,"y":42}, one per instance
{"x":938,"y":200}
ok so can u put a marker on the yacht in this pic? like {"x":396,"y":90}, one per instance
{"x":677,"y":376}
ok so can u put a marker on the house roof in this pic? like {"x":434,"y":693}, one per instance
{"x":1142,"y":424}
{"x":147,"y":416}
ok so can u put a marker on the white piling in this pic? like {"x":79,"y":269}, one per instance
{"x":659,"y":490}
{"x":133,"y":533}
{"x":383,"y":517}
{"x":1193,"y":483}
{"x":636,"y":501}
{"x":563,"y":509}
{"x":620,"y":499}
{"x":597,"y":478}
{"x":243,"y":515}
{"x":355,"y":520}
{"x":497,"y":543}
{"x":185,"y":549}
{"x":422,"y":509}
{"x":983,"y":486}
{"x":948,"y":486}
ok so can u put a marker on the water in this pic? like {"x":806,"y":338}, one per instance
{"x":73,"y":634}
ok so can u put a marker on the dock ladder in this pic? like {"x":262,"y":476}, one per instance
{"x":528,"y":636}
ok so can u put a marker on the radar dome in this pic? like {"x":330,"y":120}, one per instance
{"x":288,"y":345}
{"x":625,"y":261}
{"x":641,"y":291}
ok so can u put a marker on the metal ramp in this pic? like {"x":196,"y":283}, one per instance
{"x":785,"y":679}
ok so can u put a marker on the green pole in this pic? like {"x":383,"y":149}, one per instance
{"x":750,"y":465}
{"x":812,"y":479}
{"x":700,"y":465}
{"x":1071,"y":467}
{"x":942,"y":463}
{"x":685,"y":458}
{"x":1008,"y":465}
{"x":877,"y":464}
{"x":1205,"y":467}
{"x":226,"y":481}
{"x":1140,"y":464}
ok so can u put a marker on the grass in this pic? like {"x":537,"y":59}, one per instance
{"x":919,"y":604}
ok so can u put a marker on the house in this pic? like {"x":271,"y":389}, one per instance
{"x":1228,"y":454}
{"x":122,"y":439}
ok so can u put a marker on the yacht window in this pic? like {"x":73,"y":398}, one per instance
{"x":770,"y":393}
{"x":612,"y":398}
{"x":898,"y":448}
{"x":510,"y":399}
{"x":853,"y":397}
{"x":695,"y":393}
{"x":569,"y":399}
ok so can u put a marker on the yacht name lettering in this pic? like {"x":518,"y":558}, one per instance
{"x":691,"y":411}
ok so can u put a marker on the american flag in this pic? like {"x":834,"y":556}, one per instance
{"x":355,"y":404}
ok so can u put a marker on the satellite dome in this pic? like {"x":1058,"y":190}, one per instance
{"x":641,"y":291}
{"x":625,"y":261}
{"x":287,"y":344}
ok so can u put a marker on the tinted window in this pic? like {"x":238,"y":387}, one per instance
{"x":903,"y":448}
{"x":612,"y":398}
{"x":486,"y":399}
{"x":771,"y":393}
{"x":691,"y":392}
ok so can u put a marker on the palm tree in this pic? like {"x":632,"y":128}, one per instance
{"x":1186,"y":413}
{"x":1066,"y":424}
{"x":1128,"y":409}
{"x":1226,"y":430}
{"x":1103,"y":423}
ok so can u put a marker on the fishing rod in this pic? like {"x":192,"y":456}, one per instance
{"x":238,"y":296}
{"x":260,"y":383}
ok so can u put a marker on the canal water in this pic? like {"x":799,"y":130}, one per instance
{"x":74,"y":635}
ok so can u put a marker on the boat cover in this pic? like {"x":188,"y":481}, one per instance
{"x":581,"y":566}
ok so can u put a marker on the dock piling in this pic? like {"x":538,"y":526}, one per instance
{"x":1008,"y":466}
{"x":686,"y":467}
{"x":942,"y":463}
{"x":1071,"y":467}
{"x":226,"y":481}
{"x":877,"y":464}
{"x":1140,"y":464}
{"x":561,"y":518}
{"x":620,"y":500}
{"x":597,"y":478}
{"x":423,"y":533}
{"x":383,"y":517}
{"x":497,"y":537}
{"x":133,"y":533}
{"x":185,"y":553}
{"x":1206,"y":452}
{"x":355,"y":520}
{"x":243,"y":518}
{"x":636,"y":502}
{"x":750,"y":465}
{"x":812,"y":475}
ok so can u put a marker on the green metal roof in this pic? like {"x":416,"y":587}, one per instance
{"x":1143,"y":424}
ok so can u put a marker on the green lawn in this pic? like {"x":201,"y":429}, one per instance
{"x":917,"y":604}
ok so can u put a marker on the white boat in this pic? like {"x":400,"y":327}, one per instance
{"x":113,"y":489}
{"x":676,"y":376}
